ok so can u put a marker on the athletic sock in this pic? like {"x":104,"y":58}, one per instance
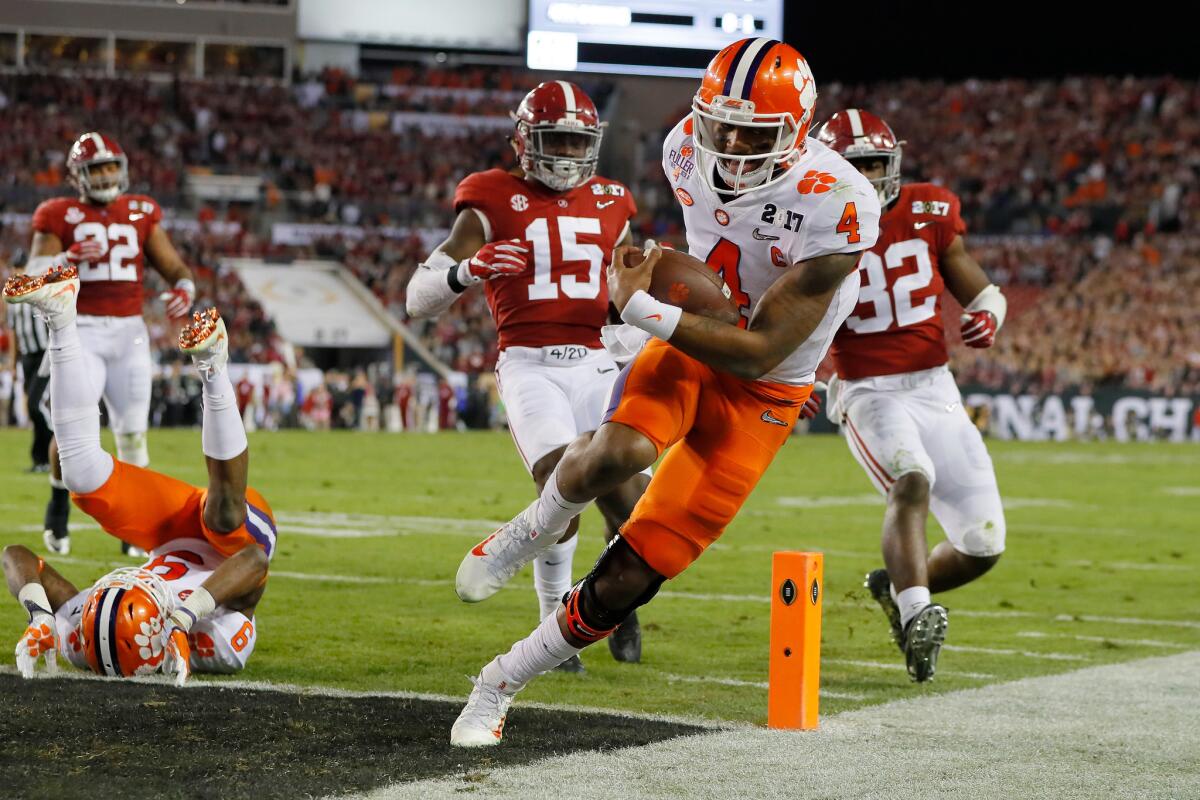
{"x":911,"y":601}
{"x":223,"y":435}
{"x":552,"y":575}
{"x":539,"y":652}
{"x":58,"y":509}
{"x":74,"y":408}
{"x":552,"y":512}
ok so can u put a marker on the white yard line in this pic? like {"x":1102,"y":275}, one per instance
{"x":892,"y":666}
{"x":752,"y":684}
{"x":1105,"y":639}
{"x":1001,"y":651}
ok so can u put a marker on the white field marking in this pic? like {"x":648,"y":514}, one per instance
{"x":831,"y":501}
{"x":1137,"y":565}
{"x":1017,"y":503}
{"x":1090,"y":530}
{"x":1040,"y":738}
{"x":751,"y":684}
{"x":75,"y":526}
{"x":1103,"y":639}
{"x":1181,"y":491}
{"x":1000,"y":651}
{"x":767,"y":548}
{"x":312,"y":576}
{"x":1170,"y":623}
{"x":1067,"y":457}
{"x":892,"y":666}
{"x":344,"y":520}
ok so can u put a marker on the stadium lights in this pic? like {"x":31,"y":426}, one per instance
{"x":589,"y":14}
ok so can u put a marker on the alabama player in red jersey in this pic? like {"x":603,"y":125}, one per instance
{"x":539,"y":237}
{"x":191,"y":606}
{"x":783,"y":218}
{"x":107,"y":235}
{"x":896,"y":400}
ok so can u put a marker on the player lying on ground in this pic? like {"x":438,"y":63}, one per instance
{"x":536,"y":238}
{"x":108,"y":236}
{"x":784,"y":219}
{"x":191,"y":606}
{"x":895,"y":398}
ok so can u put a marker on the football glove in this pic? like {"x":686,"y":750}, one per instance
{"x":177,"y":653}
{"x":495,"y":260}
{"x":179,"y":300}
{"x":39,"y":640}
{"x":979,"y":328}
{"x":88,"y":251}
{"x":812,"y":406}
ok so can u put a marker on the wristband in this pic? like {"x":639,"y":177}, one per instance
{"x":33,"y":597}
{"x":653,"y":316}
{"x":993,"y":300}
{"x":463,"y":274}
{"x":198,"y":604}
{"x":187,"y":285}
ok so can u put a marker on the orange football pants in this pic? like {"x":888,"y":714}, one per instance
{"x":148,"y":509}
{"x":723,"y":433}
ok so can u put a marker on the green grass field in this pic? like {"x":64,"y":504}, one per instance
{"x":1101,"y":567}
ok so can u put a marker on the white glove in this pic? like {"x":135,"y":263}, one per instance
{"x":177,"y":653}
{"x":39,"y":640}
{"x":623,"y":342}
{"x":833,"y":411}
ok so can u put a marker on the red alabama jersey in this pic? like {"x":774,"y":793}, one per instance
{"x":113,"y":287}
{"x":563,"y":297}
{"x":897,"y":325}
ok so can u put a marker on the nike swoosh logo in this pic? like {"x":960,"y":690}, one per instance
{"x":478,"y":549}
{"x":918,"y":225}
{"x":951,"y":406}
{"x":70,"y":287}
{"x":604,"y":204}
{"x":764,"y":237}
{"x":767,"y":416}
{"x":606,"y":371}
{"x":654,"y":316}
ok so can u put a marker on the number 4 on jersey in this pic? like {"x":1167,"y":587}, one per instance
{"x":724,"y":258}
{"x":848,"y":224}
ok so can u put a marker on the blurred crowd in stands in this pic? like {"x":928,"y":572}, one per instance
{"x":1077,"y":194}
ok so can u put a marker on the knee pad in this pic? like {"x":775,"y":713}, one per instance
{"x":983,"y":540}
{"x":132,"y":449}
{"x":591,"y":618}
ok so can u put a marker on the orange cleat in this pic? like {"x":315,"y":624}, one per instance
{"x":52,"y":294}
{"x":205,"y":339}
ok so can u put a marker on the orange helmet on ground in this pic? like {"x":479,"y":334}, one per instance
{"x":122,"y":622}
{"x":761,"y":90}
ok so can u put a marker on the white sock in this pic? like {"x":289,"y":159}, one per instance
{"x":911,"y":601}
{"x":540,"y":651}
{"x":223,"y":435}
{"x":76,"y":415}
{"x":552,"y":512}
{"x":552,"y":574}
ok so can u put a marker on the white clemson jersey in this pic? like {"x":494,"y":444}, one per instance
{"x":220,"y":642}
{"x":823,"y":206}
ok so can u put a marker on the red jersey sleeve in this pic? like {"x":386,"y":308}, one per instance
{"x":473,"y":192}
{"x":955,"y":226}
{"x":48,"y":218}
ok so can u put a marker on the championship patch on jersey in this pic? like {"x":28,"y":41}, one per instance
{"x":684,"y":197}
{"x":682,"y":163}
{"x":74,"y":215}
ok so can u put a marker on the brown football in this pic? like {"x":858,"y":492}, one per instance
{"x":687,"y":282}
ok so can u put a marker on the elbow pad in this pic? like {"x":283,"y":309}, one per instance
{"x":993,"y":300}
{"x":429,"y":291}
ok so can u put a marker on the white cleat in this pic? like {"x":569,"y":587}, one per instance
{"x":481,"y":723}
{"x":59,"y":545}
{"x":205,"y":340}
{"x":493,"y":562}
{"x":52,"y":294}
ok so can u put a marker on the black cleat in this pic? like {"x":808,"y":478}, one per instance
{"x":879,"y":585}
{"x":131,"y":551}
{"x":625,"y":644}
{"x":923,"y":640}
{"x":572,"y":665}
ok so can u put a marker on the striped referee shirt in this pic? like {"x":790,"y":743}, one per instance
{"x":32,"y":334}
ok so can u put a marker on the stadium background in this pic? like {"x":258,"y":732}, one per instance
{"x":1074,"y":145}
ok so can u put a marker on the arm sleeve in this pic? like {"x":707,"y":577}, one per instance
{"x":846,"y":222}
{"x":429,"y":292}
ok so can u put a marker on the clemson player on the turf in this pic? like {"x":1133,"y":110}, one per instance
{"x":106,"y":236}
{"x":783,"y":219}
{"x":192,"y":605}
{"x":538,"y":238}
{"x":896,"y":400}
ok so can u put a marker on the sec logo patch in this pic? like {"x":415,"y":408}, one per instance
{"x":684,"y":197}
{"x":721,"y":217}
{"x":519,"y":202}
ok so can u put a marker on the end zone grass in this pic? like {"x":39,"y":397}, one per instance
{"x":1100,"y":568}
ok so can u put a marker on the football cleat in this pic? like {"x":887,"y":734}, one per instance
{"x":52,"y":294}
{"x":879,"y":585}
{"x":205,"y":340}
{"x":923,"y":639}
{"x":625,"y":643}
{"x":59,"y":545}
{"x":132,"y":551}
{"x":481,"y":723}
{"x":572,"y":665}
{"x":492,"y":563}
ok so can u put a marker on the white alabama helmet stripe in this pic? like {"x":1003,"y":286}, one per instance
{"x":569,"y":98}
{"x":748,"y":58}
{"x":101,"y":148}
{"x":105,"y":646}
{"x":856,"y":126}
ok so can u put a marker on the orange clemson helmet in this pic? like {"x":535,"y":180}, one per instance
{"x":122,"y":622}
{"x":751,"y":114}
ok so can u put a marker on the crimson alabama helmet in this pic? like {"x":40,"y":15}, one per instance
{"x":555,"y":117}
{"x":95,"y":148}
{"x":859,"y":134}
{"x":757,"y":84}
{"x":120,"y":630}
